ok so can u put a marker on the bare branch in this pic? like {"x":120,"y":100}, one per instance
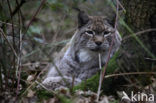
{"x":7,"y":23}
{"x":132,"y":73}
{"x":35,"y":14}
{"x":18,"y":7}
{"x":45,"y":87}
{"x":2,"y":33}
{"x":110,"y":49}
{"x":18,"y":70}
{"x":121,"y":6}
{"x":102,"y":74}
{"x":139,"y":33}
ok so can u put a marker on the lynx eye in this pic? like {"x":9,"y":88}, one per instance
{"x":89,"y":32}
{"x":106,"y":32}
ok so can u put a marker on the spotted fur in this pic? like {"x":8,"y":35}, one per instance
{"x":79,"y":58}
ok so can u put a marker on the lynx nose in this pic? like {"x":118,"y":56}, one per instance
{"x":98,"y":43}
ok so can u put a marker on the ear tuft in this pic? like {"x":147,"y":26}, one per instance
{"x":82,"y":18}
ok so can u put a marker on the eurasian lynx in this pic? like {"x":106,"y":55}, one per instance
{"x":79,"y":58}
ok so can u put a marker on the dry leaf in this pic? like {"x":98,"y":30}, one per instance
{"x":30,"y":78}
{"x":30,"y":93}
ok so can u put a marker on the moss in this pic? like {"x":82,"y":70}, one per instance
{"x":90,"y":84}
{"x":64,"y":99}
{"x":112,"y":65}
{"x":44,"y":94}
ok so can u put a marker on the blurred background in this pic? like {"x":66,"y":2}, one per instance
{"x":31,"y":31}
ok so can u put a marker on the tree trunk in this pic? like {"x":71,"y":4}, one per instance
{"x":137,"y":55}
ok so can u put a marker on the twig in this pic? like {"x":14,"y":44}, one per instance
{"x":2,"y":33}
{"x":122,"y":6}
{"x":102,"y":74}
{"x":139,"y":33}
{"x":20,"y":14}
{"x":100,"y":80}
{"x":43,"y":70}
{"x":35,"y":14}
{"x":132,"y":73}
{"x":7,"y":23}
{"x":32,"y":84}
{"x":18,"y":7}
{"x":45,"y":87}
{"x":21,"y":38}
{"x":13,"y":36}
{"x":110,"y":49}
{"x":71,"y":88}
{"x":150,"y":59}
{"x":100,"y":66}
{"x":18,"y":70}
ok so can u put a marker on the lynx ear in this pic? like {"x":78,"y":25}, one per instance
{"x":112,"y":20}
{"x":82,"y":19}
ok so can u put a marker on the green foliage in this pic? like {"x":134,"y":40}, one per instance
{"x":34,"y":29}
{"x":112,"y":64}
{"x":44,"y":94}
{"x":90,"y":84}
{"x":56,"y":5}
{"x":64,"y":99}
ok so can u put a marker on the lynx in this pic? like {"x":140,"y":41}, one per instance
{"x":79,"y":58}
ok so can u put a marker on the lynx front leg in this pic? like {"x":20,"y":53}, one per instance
{"x":54,"y":83}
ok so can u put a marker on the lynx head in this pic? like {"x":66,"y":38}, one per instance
{"x":94,"y":32}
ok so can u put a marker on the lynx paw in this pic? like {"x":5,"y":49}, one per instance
{"x":52,"y":82}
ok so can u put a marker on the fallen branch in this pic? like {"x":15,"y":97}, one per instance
{"x":132,"y":73}
{"x":139,"y":33}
